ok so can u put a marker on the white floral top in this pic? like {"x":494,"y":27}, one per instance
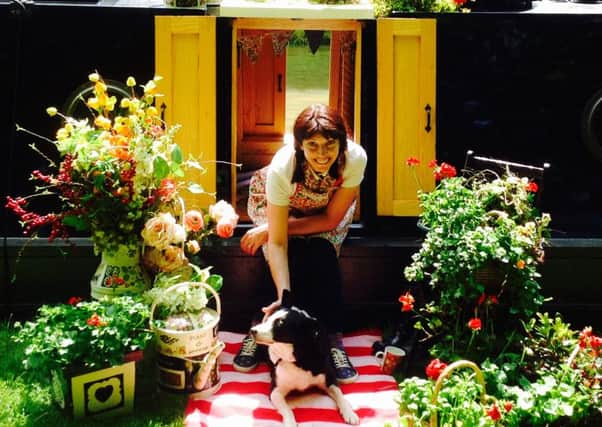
{"x":307,"y":198}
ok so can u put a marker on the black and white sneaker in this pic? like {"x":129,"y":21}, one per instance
{"x":246,"y":359}
{"x":344,"y":370}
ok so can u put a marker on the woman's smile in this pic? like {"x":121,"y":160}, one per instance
{"x":320,"y":152}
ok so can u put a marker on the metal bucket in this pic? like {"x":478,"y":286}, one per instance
{"x":187,"y":360}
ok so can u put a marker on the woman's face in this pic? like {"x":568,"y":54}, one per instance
{"x":320,"y":152}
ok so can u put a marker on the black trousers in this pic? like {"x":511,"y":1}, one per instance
{"x":316,"y":282}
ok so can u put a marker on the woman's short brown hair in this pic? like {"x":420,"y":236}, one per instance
{"x":326,"y":121}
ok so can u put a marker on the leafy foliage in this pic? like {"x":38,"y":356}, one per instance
{"x":385,"y":7}
{"x":480,"y":257}
{"x":90,"y":334}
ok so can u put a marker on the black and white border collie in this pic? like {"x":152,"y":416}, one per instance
{"x":298,"y":348}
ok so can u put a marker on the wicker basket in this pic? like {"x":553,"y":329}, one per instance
{"x":460,"y":364}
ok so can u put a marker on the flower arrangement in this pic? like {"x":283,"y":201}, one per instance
{"x":480,"y":257}
{"x":171,"y":248}
{"x":169,"y":244}
{"x":114,"y":172}
{"x":183,"y":308}
{"x":84,"y":334}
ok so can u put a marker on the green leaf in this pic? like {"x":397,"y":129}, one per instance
{"x":76,"y":222}
{"x":176,"y":155}
{"x":161,"y":168}
{"x":215,"y":281}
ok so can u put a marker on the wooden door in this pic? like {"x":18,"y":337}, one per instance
{"x":185,"y":57}
{"x":262,"y":76}
{"x":406,"y":114}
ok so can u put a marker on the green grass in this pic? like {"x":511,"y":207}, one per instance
{"x":27,"y":403}
{"x":307,"y":78}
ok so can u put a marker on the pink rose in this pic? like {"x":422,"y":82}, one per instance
{"x":162,"y":231}
{"x":193,"y":220}
{"x":225,"y":227}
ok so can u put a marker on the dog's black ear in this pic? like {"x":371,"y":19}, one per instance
{"x":287,"y":298}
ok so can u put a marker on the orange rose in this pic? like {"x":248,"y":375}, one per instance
{"x":225,"y":227}
{"x":193,"y":220}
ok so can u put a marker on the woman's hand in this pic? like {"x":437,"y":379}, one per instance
{"x":253,"y":239}
{"x":271,"y":309}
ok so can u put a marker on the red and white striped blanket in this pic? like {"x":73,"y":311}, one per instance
{"x":243,"y":398}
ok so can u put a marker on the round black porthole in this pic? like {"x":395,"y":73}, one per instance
{"x":591,"y":125}
{"x":75,"y":105}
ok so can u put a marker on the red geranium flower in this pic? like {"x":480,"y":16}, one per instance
{"x":494,"y":412}
{"x":432,"y":164}
{"x":532,"y":187}
{"x":444,"y":171}
{"x":74,"y":300}
{"x":95,"y":320}
{"x":481,"y":299}
{"x":584,"y":336}
{"x":407,"y":301}
{"x":508,"y":406}
{"x":412,"y":161}
{"x":475,"y":324}
{"x":434,"y":369}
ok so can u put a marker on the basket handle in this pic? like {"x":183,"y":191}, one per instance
{"x":446,"y":373}
{"x":218,"y":305}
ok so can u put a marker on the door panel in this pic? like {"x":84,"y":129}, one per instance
{"x":185,"y":57}
{"x":406,"y":112}
{"x":263,"y":88}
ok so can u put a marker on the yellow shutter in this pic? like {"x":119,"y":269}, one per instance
{"x":185,"y":58}
{"x":405,"y":87}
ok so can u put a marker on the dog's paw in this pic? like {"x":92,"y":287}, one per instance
{"x":350,"y":416}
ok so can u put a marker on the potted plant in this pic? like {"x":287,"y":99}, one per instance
{"x":554,"y":381}
{"x":479,"y":261}
{"x":115,"y":171}
{"x":384,"y":8}
{"x":451,"y":395}
{"x":535,"y":368}
{"x":87,"y":345}
{"x":186,"y":329}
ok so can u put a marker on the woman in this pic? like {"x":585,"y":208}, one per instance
{"x":302,"y":205}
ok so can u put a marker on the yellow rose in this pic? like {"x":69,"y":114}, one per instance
{"x":93,"y":103}
{"x":130,"y":82}
{"x":102,"y":122}
{"x":51,"y":111}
